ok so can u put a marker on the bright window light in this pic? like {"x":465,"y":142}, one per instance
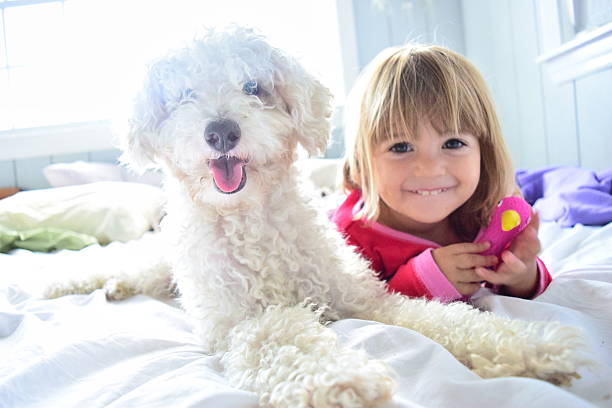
{"x":76,"y":60}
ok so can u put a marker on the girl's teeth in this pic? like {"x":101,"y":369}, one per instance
{"x":430,"y":192}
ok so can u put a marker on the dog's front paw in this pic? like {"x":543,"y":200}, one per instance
{"x":71,"y":287}
{"x":546,"y":351}
{"x":116,"y":289}
{"x":369,"y":386}
{"x":349,"y":396}
{"x":560,"y":373}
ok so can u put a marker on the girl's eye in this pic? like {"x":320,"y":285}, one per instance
{"x":402,"y":147}
{"x":454,"y":144}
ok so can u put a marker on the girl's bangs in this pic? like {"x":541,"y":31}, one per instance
{"x":427,"y":86}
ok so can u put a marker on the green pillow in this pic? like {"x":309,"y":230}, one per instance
{"x":44,"y":239}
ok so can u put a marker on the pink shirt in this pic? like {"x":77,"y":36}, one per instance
{"x":403,"y":260}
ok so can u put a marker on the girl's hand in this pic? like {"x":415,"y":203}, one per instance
{"x":458,"y":263}
{"x":518,"y":270}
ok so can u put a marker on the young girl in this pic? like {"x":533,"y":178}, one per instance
{"x":424,"y":170}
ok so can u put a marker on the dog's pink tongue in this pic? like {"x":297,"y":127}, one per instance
{"x":227,"y":173}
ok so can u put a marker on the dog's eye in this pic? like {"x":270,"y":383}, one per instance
{"x":250,"y":88}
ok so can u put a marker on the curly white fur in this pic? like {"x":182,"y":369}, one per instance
{"x":261,"y":270}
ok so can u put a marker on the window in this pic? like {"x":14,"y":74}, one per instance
{"x":68,"y":61}
{"x":576,"y":37}
{"x":579,"y":17}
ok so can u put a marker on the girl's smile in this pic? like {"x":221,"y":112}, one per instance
{"x":434,"y":191}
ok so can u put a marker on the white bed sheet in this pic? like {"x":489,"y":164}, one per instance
{"x":82,"y":351}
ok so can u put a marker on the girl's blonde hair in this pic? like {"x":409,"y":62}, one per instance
{"x":401,"y":86}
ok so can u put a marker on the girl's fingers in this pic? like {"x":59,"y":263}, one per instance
{"x":512,"y":261}
{"x":469,"y":276}
{"x":510,"y":266}
{"x":535,"y":220}
{"x":469,"y":247}
{"x":526,"y":244}
{"x":491,"y":276}
{"x":470,"y":261}
{"x":486,"y":274}
{"x":479,"y":246}
{"x":489,"y":260}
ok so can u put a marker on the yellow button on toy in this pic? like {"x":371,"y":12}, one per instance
{"x":510,"y":219}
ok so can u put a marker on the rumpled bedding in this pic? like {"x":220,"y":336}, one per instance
{"x":83,"y":351}
{"x":568,"y":195}
{"x":44,"y":239}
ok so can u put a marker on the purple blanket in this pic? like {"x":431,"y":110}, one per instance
{"x":568,"y":195}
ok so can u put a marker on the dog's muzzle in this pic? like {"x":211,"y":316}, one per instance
{"x":229,"y":174}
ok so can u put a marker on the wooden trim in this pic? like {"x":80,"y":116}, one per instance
{"x":7,"y":192}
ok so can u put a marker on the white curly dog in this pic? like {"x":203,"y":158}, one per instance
{"x":261,"y":269}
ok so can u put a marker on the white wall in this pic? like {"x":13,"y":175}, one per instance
{"x":545,"y":123}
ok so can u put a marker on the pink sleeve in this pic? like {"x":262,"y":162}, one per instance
{"x":421,"y":277}
{"x":544,"y":279}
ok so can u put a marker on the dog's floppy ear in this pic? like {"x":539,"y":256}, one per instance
{"x":152,"y":106}
{"x":308,"y":102}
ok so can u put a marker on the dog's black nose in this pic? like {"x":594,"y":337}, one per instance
{"x":222,"y":135}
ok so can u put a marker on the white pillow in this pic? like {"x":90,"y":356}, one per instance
{"x":80,"y":172}
{"x":325,"y":174}
{"x":110,"y":211}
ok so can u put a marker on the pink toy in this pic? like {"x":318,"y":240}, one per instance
{"x":510,"y":217}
